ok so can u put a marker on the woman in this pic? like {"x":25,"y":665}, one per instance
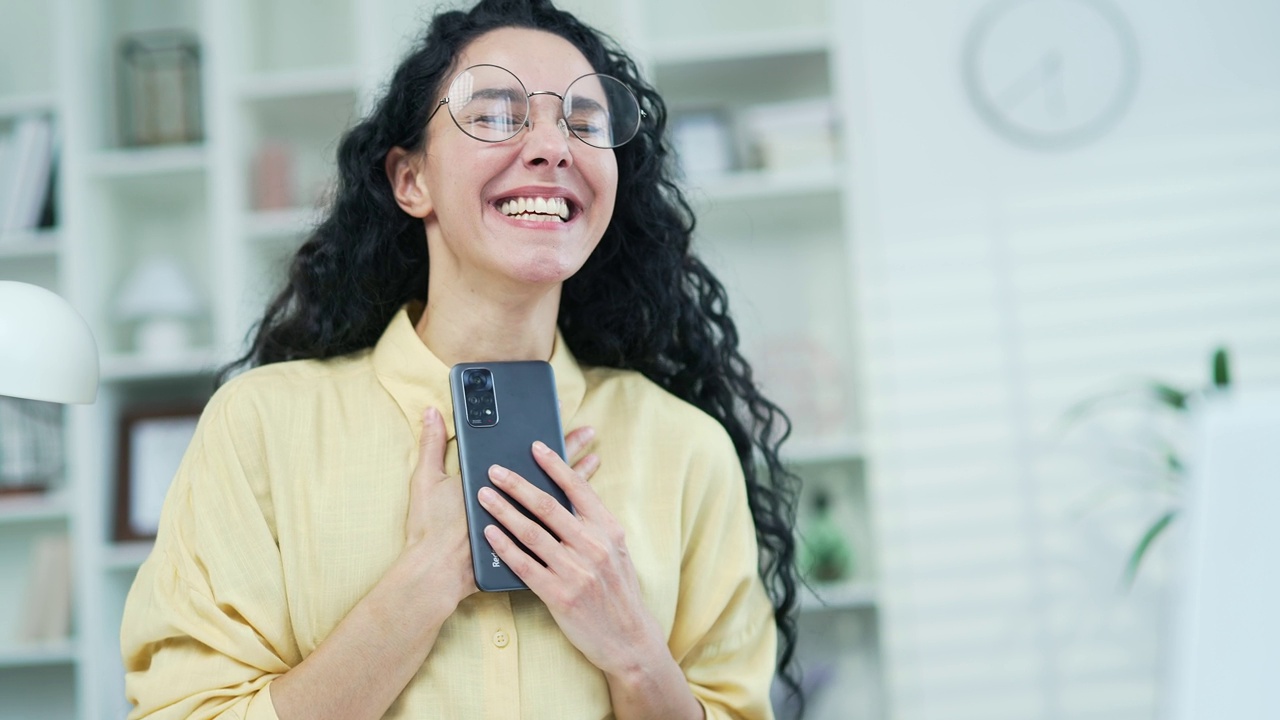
{"x":298,"y":575}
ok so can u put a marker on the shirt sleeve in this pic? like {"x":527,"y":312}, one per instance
{"x":206,"y":626}
{"x":724,"y":637}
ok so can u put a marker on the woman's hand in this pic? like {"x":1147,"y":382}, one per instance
{"x":436,"y":529}
{"x":589,"y":583}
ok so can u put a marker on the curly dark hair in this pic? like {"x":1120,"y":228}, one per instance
{"x":642,"y":301}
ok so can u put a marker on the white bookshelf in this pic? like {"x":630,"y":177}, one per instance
{"x":301,"y":70}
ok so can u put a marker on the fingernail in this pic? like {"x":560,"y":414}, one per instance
{"x":487,"y":495}
{"x":497,"y":472}
{"x":539,"y":447}
{"x":430,"y":415}
{"x":588,"y":433}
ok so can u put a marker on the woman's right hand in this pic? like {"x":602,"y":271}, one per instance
{"x":436,"y":529}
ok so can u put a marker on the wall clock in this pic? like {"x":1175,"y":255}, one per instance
{"x":1050,"y":74}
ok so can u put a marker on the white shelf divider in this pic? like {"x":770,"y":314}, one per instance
{"x":838,"y":448}
{"x":765,"y":43}
{"x":42,"y":242}
{"x":31,"y":104}
{"x":128,"y":366}
{"x":300,"y":83}
{"x":34,"y":508}
{"x":750,"y":185}
{"x":853,"y":595}
{"x":126,"y":557}
{"x":144,"y":162}
{"x":268,"y":224}
{"x":61,"y":652}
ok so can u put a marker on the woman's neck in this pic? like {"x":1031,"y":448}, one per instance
{"x":460,"y":324}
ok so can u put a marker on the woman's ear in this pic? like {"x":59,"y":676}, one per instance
{"x":404,"y":172}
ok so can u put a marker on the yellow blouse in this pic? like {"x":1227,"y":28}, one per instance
{"x":291,"y":502}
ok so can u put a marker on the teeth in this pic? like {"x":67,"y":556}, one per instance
{"x":536,"y":208}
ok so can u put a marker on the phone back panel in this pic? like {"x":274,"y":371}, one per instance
{"x":528,"y":410}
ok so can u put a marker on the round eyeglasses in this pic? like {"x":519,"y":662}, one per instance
{"x":490,"y":104}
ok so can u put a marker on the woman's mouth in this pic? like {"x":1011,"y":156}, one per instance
{"x":537,"y":209}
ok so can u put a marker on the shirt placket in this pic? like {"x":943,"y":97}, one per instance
{"x":500,"y":647}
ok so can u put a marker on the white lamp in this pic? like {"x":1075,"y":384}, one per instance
{"x":159,"y":297}
{"x":47,"y":351}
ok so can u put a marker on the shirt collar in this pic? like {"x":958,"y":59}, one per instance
{"x":417,"y":379}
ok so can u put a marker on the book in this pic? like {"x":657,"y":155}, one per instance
{"x":46,"y":611}
{"x":28,"y":167}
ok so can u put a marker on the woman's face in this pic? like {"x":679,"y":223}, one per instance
{"x":471,"y":188}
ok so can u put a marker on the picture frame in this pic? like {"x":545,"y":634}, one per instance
{"x":152,"y":441}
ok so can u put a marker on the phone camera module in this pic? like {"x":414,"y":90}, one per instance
{"x":482,"y":408}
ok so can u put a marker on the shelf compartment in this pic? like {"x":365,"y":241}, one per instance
{"x":290,"y":156}
{"x":277,"y":41}
{"x":27,"y":47}
{"x":741,"y":82}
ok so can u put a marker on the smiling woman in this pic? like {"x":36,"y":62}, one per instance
{"x":313,"y":556}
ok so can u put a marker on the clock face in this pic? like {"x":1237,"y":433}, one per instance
{"x":1050,"y":74}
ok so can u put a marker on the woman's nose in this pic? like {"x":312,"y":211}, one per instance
{"x":548,"y":137}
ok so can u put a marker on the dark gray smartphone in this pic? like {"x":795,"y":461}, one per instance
{"x":499,"y":410}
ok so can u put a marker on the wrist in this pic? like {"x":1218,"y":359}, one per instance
{"x":424,"y":593}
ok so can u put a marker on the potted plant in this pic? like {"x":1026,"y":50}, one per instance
{"x":1164,"y":399}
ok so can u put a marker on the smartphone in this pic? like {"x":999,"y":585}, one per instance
{"x":499,"y":410}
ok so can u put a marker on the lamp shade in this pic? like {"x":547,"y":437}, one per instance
{"x":157,"y":288}
{"x":47,"y":351}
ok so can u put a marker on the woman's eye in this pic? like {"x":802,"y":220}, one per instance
{"x":587,"y":129}
{"x":496,"y":120}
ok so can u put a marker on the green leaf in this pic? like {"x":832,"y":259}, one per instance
{"x":1221,"y":368}
{"x":1135,"y":559}
{"x":1169,"y":395}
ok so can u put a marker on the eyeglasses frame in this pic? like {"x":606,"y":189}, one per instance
{"x":529,"y":107}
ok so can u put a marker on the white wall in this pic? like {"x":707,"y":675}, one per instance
{"x":1001,"y":285}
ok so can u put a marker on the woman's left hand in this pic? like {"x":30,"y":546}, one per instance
{"x":589,"y":583}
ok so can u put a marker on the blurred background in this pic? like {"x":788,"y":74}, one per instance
{"x":992,"y":256}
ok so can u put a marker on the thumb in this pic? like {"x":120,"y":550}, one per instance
{"x":431,"y":446}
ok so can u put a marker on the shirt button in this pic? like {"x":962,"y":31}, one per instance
{"x":500,"y":639}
